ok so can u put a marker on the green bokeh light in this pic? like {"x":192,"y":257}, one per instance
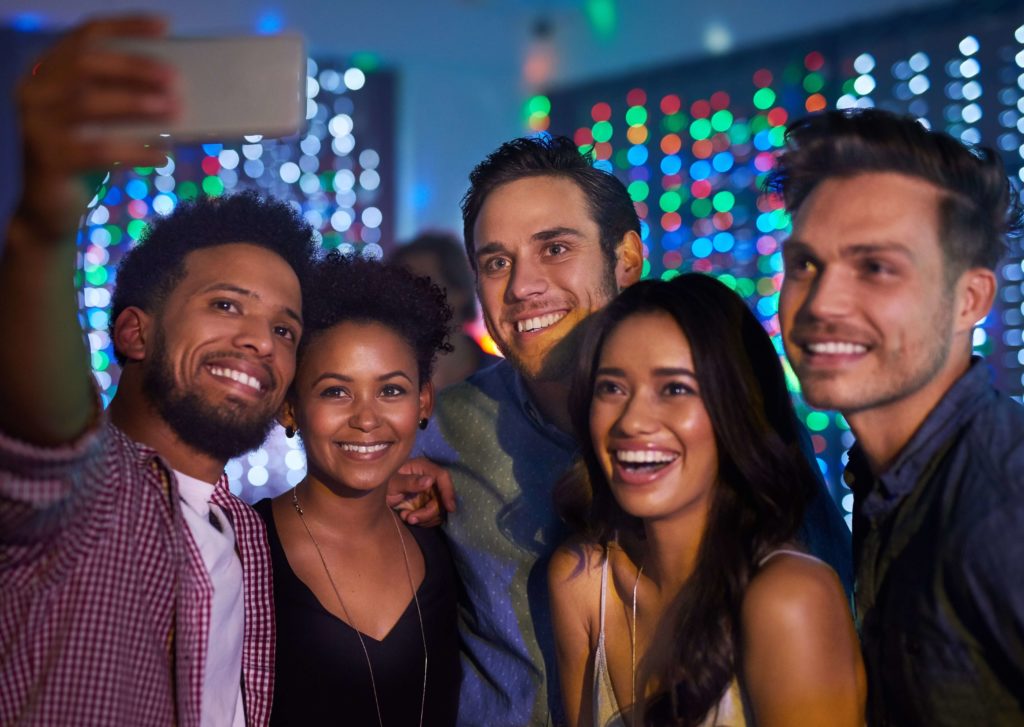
{"x":602,"y":131}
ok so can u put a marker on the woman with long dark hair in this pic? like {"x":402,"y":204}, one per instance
{"x":683,"y":601}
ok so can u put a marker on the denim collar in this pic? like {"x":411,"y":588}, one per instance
{"x":958,"y":405}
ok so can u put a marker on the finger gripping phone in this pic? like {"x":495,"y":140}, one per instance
{"x":231,"y":86}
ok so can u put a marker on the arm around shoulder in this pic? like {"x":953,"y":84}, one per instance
{"x":801,"y":657}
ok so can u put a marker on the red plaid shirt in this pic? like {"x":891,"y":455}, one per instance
{"x":105,"y":601}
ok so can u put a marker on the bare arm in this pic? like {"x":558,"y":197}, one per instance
{"x":801,"y":657}
{"x":574,"y":588}
{"x":419,"y":490}
{"x":45,"y":390}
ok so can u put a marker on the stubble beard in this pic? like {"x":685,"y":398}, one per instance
{"x":222,"y":432}
{"x":895,"y":382}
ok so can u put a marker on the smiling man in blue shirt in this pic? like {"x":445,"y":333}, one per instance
{"x":896,"y":233}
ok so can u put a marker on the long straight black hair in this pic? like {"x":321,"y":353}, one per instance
{"x":764,"y":483}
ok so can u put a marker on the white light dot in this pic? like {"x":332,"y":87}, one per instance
{"x":252,"y":151}
{"x":1019,"y":34}
{"x":312,"y":87}
{"x":1020,"y":59}
{"x":341,"y":220}
{"x":918,"y":84}
{"x":972,"y":113}
{"x":344,"y":179}
{"x":330,"y":80}
{"x":290,"y":172}
{"x":311,"y":109}
{"x":971,"y":136}
{"x":369,"y":159}
{"x":228,"y":158}
{"x":314,"y":218}
{"x":340,"y":125}
{"x":164,"y":184}
{"x":972,"y":90}
{"x":258,"y":458}
{"x":295,"y":460}
{"x":372,"y":217}
{"x":969,"y":45}
{"x":233,"y":469}
{"x":864,"y":85}
{"x":309,"y":184}
{"x":103,"y":379}
{"x":346,"y":248}
{"x":970,"y":68}
{"x":343,"y":145}
{"x":354,"y":79}
{"x":864,"y":63}
{"x":310,"y":145}
{"x":369,"y":179}
{"x":163,"y":204}
{"x":254,"y":139}
{"x":99,"y":216}
{"x":373,"y":251}
{"x":309,"y":164}
{"x":918,"y":62}
{"x":258,"y":476}
{"x":846,"y":101}
{"x":166,"y":169}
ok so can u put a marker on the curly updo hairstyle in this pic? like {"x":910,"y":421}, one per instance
{"x":348,"y":288}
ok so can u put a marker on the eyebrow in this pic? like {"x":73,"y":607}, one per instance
{"x":855,"y":250}
{"x":349,"y":379}
{"x":550,"y":233}
{"x":229,"y":288}
{"x":661,"y":371}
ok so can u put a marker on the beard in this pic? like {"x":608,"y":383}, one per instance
{"x":222,"y":432}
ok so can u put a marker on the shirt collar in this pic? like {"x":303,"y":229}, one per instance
{"x":956,"y":407}
{"x":532,"y":412}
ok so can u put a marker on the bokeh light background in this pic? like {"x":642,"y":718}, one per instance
{"x":693,"y":143}
{"x":338,"y":173}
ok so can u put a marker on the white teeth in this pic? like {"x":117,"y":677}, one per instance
{"x":836,"y":348}
{"x":364,"y":448}
{"x":539,"y":322}
{"x":644,"y":456}
{"x":239,"y":376}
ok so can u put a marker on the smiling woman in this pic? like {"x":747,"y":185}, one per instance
{"x":365,"y":605}
{"x":684,"y":600}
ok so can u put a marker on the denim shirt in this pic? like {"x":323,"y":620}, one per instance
{"x":505,"y":460}
{"x":939,"y":550}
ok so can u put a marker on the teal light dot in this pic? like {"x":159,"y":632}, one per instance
{"x":764,"y":98}
{"x":700,"y":129}
{"x":670,"y":274}
{"x":602,"y":131}
{"x":721,"y":120}
{"x":638,"y":190}
{"x":728,"y":280}
{"x":723,"y":201}
{"x":646,"y":270}
{"x":636,"y":116}
{"x":817,"y":421}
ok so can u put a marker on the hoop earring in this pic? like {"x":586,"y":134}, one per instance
{"x":423,"y":423}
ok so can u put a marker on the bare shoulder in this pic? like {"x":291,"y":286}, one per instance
{"x":576,"y":564}
{"x":790,"y":591}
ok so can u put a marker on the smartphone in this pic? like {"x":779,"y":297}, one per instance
{"x":231,"y":87}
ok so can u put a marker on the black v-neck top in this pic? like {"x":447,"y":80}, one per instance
{"x":321,"y":673}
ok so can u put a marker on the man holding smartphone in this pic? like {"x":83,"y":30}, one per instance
{"x":136,"y":588}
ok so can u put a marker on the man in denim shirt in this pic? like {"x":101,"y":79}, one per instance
{"x":896,"y":232}
{"x":552,"y":240}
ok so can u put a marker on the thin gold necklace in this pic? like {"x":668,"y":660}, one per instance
{"x":348,"y":617}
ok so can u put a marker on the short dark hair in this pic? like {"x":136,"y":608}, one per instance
{"x":764,"y":480}
{"x":556,"y":156}
{"x":349,"y":288}
{"x":979,"y":211}
{"x":149,"y":272}
{"x":451,"y":259}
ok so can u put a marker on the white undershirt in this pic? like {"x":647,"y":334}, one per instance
{"x":222,"y":673}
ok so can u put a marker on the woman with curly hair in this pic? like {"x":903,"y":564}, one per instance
{"x":683,"y":600}
{"x":365,"y":606}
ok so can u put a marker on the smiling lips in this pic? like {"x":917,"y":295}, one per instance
{"x":538,"y":323}
{"x":641,"y":466}
{"x":241,"y":377}
{"x":835,"y":348}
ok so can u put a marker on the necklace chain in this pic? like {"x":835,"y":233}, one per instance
{"x":415,"y":598}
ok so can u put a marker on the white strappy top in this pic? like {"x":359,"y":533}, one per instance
{"x":728,"y":712}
